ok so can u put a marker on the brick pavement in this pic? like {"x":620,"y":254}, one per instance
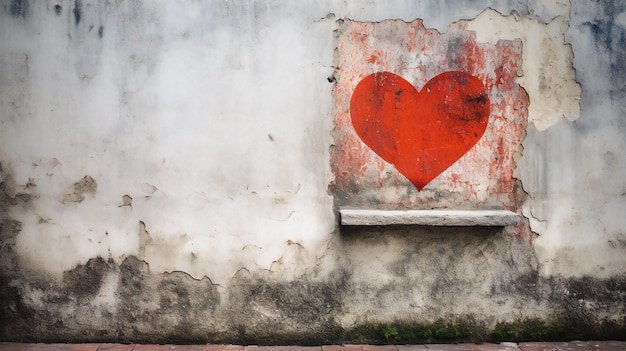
{"x":506,"y":346}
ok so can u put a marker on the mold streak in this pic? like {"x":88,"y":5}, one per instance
{"x":77,"y":11}
{"x":19,"y":8}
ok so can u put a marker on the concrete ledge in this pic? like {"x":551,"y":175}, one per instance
{"x":429,"y":217}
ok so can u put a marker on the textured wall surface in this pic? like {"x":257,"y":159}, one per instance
{"x":171,"y":171}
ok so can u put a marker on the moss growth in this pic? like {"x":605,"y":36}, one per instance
{"x":531,"y":330}
{"x":504,"y":332}
{"x":389,"y":330}
{"x":453,"y":332}
{"x":409,"y":332}
{"x":467,"y":330}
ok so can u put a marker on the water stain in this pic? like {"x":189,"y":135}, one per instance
{"x":78,"y":11}
{"x":19,"y":8}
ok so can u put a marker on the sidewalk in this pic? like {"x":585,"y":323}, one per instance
{"x":507,"y":346}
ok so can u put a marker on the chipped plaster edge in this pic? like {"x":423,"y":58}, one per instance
{"x":548,"y":73}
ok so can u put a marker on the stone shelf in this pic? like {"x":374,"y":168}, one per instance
{"x":498,"y":218}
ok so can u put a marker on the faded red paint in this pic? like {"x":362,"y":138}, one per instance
{"x":420,"y":132}
{"x":367,"y":175}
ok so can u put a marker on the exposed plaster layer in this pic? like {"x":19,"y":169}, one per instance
{"x":547,"y":72}
{"x":575,"y":172}
{"x":482,"y":178}
{"x":438,"y":14}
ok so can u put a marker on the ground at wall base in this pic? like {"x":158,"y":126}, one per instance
{"x":505,"y":346}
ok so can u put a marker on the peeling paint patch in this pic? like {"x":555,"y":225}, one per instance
{"x":547,"y":73}
{"x":127,"y":201}
{"x":87,"y":185}
{"x":12,"y":194}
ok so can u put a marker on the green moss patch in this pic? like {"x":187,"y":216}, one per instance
{"x":408,"y":332}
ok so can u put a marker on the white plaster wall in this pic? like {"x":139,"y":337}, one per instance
{"x":212,"y":116}
{"x":215,"y":118}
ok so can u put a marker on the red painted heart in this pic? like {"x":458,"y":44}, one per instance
{"x":421,"y":133}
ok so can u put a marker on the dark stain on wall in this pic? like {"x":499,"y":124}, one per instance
{"x":100,"y":32}
{"x":447,"y":263}
{"x":298,"y":311}
{"x":457,"y":50}
{"x":14,"y":314}
{"x":176,"y":308}
{"x":84,"y":281}
{"x":131,"y":284}
{"x":259,"y":305}
{"x":78,"y":11}
{"x":19,"y":8}
{"x":579,"y":304}
{"x":57,"y":9}
{"x":172,"y":306}
{"x":10,"y":196}
{"x":609,"y":36}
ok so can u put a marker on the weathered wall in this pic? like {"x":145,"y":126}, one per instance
{"x":169,"y":171}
